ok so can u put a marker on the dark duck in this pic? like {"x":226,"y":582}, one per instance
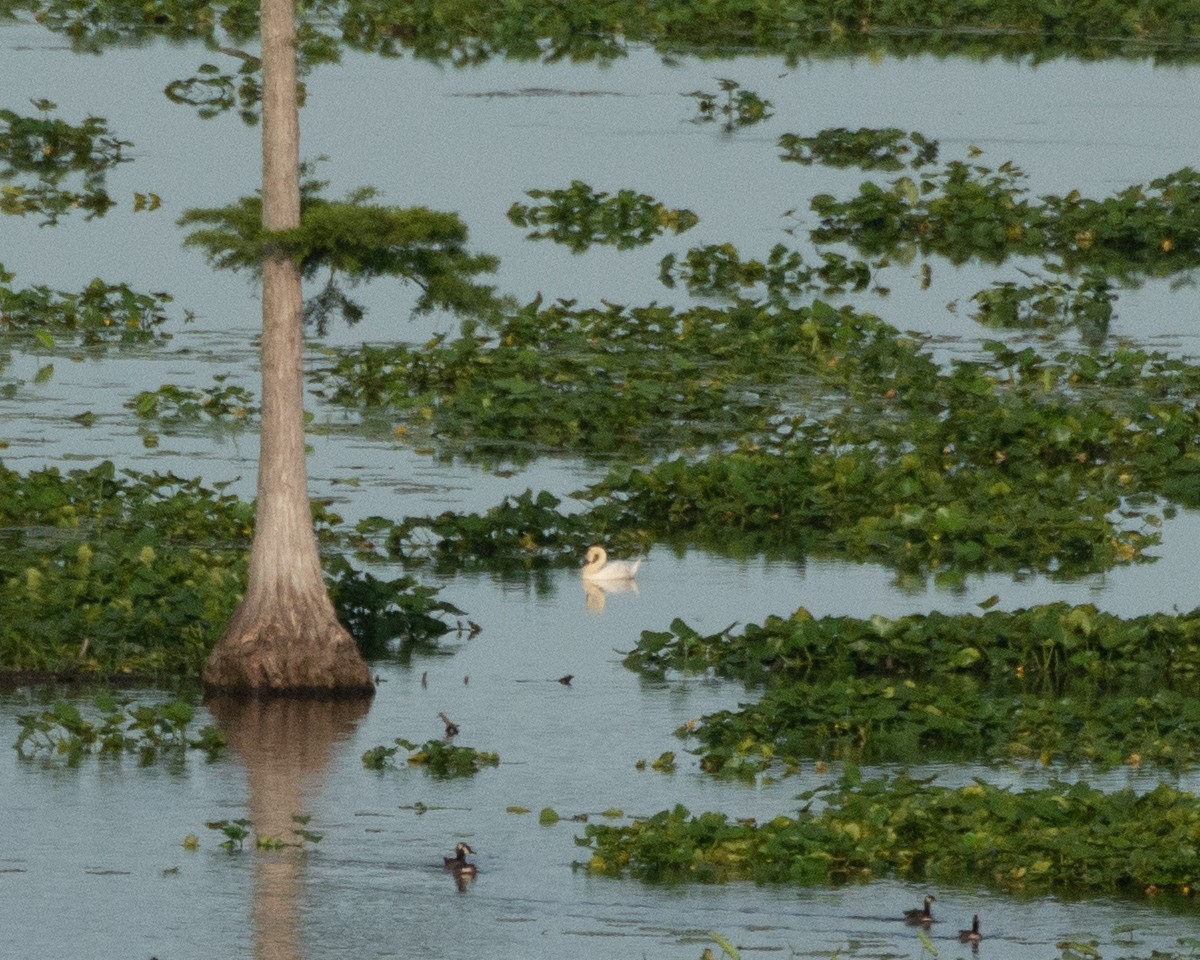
{"x":459,"y":863}
{"x":920,"y":916}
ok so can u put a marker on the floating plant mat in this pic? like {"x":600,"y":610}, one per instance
{"x":1054,"y":683}
{"x":530,"y":29}
{"x":1067,"y":839}
{"x":117,"y":574}
{"x":1011,"y":462}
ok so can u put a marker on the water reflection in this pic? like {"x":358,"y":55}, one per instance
{"x":285,"y":745}
{"x":595,"y":593}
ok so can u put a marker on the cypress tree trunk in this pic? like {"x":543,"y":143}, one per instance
{"x":284,"y":637}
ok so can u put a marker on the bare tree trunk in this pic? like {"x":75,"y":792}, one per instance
{"x":284,"y":636}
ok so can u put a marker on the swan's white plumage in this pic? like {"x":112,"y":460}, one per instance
{"x":599,"y":567}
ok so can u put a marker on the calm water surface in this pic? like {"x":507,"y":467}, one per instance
{"x":91,"y":862}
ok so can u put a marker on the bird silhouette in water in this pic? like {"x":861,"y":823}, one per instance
{"x":972,"y":936}
{"x":920,"y":916}
{"x":464,"y":871}
{"x":451,"y":726}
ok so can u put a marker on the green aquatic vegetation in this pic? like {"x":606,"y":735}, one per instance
{"x":875,"y":720}
{"x":665,"y":762}
{"x":49,"y":145}
{"x":1012,"y":461}
{"x":123,"y":727}
{"x":737,"y":108}
{"x":1043,"y":649}
{"x":614,"y":379}
{"x":580,"y":217}
{"x":1051,"y":683}
{"x":960,"y":211}
{"x":718,"y":269}
{"x":1051,"y":303}
{"x":100,"y":313}
{"x":1061,"y":839}
{"x":964,"y":211}
{"x":378,"y":613}
{"x":104,"y":573}
{"x":237,"y":831}
{"x":37,"y":154}
{"x":441,"y":759}
{"x":524,"y":529}
{"x":865,"y":148}
{"x":463,"y":34}
{"x":213,"y":92}
{"x":171,"y":404}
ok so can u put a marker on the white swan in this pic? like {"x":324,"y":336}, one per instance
{"x":599,"y":567}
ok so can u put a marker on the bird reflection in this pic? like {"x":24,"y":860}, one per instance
{"x":595,"y":592}
{"x":463,"y":880}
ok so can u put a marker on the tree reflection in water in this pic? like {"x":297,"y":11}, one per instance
{"x":284,"y":744}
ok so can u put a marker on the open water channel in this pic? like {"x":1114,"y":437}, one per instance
{"x":91,"y":858}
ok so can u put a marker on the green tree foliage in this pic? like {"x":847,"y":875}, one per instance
{"x":354,"y":240}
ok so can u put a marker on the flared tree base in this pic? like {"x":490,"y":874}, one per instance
{"x":287,"y":646}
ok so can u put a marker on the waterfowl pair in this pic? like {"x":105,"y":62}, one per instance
{"x":923,"y":917}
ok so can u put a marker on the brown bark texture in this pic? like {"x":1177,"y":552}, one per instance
{"x":284,"y":637}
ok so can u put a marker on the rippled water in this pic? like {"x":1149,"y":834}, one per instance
{"x":91,"y":862}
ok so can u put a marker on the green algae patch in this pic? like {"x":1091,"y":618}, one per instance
{"x":1067,"y":839}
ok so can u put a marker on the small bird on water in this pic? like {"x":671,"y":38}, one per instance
{"x":920,"y":916}
{"x":458,"y":863}
{"x":972,"y":936}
